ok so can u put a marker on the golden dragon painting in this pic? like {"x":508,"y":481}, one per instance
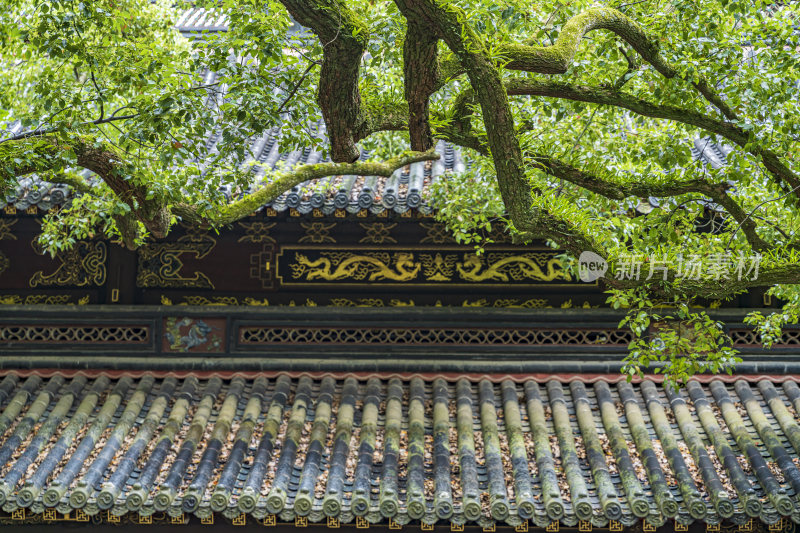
{"x":337,"y":266}
{"x":502,"y":267}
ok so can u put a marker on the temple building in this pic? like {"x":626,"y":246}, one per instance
{"x":338,"y":360}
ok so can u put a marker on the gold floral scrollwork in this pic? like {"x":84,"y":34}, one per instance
{"x":510,"y":266}
{"x":82,"y":265}
{"x":361,"y":302}
{"x":59,"y":299}
{"x":436,"y":233}
{"x":257,"y":232}
{"x":259,"y":303}
{"x":4,"y":262}
{"x":514,"y":303}
{"x":317,"y":232}
{"x":369,"y":302}
{"x":214,"y":300}
{"x":373,"y":266}
{"x":5,"y":228}
{"x":483,"y":302}
{"x":377,"y":233}
{"x":160,"y":264}
{"x":532,"y":303}
{"x":437,"y":267}
{"x":36,"y":299}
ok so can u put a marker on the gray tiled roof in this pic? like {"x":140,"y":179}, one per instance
{"x":710,"y":153}
{"x":402,"y":448}
{"x":198,"y":19}
{"x":405,"y":189}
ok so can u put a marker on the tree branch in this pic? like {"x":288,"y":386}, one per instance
{"x":745,"y":219}
{"x":344,"y":38}
{"x":556,"y":59}
{"x":421,"y":72}
{"x":616,"y":189}
{"x":448,"y":21}
{"x":41,"y":132}
{"x":49,"y":153}
{"x":99,"y":96}
{"x":746,"y":224}
{"x":71,"y":179}
{"x":286,"y":180}
{"x":609,"y":96}
{"x":620,"y":190}
{"x":294,"y":89}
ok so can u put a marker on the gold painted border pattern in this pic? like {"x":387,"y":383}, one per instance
{"x":422,"y":266}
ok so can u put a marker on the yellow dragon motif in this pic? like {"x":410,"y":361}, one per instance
{"x":516,"y":267}
{"x":374,"y":267}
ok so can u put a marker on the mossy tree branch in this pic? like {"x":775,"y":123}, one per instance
{"x":344,"y":37}
{"x":622,"y":100}
{"x":556,"y":59}
{"x":286,"y":180}
{"x":51,"y":157}
{"x":421,"y":72}
{"x":446,"y":20}
{"x":52,"y":154}
{"x":461,"y":113}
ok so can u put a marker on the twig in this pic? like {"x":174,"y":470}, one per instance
{"x":38,"y":132}
{"x":295,"y":88}
{"x":754,"y":210}
{"x":778,"y":228}
{"x":99,"y":94}
{"x":120,"y":109}
{"x":583,"y":131}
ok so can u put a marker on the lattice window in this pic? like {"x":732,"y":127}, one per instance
{"x":750,"y":337}
{"x":424,"y":336}
{"x":75,"y":334}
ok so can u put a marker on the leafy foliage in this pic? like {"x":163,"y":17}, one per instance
{"x":678,"y":344}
